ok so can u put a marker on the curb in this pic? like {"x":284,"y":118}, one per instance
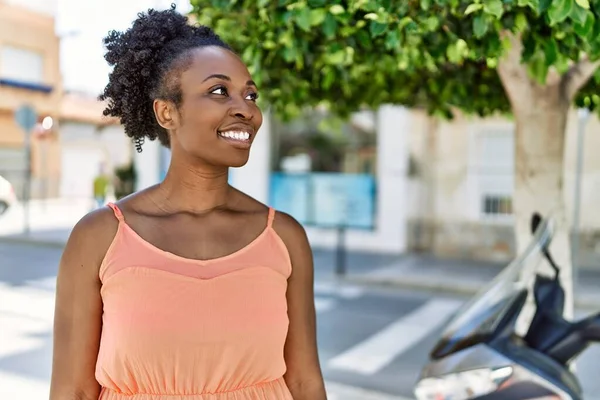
{"x":449,"y":288}
{"x":59,"y":244}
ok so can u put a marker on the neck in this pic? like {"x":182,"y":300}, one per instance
{"x":195,"y":189}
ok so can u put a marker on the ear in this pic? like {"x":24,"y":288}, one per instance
{"x":166,"y":114}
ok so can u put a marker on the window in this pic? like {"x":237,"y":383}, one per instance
{"x":21,"y":65}
{"x":497,"y":205}
{"x":494,"y":171}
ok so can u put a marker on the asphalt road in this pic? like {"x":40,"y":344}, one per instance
{"x":376,"y":339}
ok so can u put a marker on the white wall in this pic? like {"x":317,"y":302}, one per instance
{"x":111,"y":140}
{"x":393,"y":125}
{"x":84,"y":147}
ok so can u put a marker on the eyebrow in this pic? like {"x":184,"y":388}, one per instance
{"x":226,"y":78}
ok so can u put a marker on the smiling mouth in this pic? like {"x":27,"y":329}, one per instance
{"x":236,"y":136}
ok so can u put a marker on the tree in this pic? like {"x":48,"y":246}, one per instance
{"x":531,"y":58}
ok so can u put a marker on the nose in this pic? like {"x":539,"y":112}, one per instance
{"x":242,"y":110}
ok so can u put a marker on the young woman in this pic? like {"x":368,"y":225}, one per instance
{"x":189,"y":289}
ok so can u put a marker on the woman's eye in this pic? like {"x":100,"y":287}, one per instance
{"x":252,"y":96}
{"x":220,"y":90}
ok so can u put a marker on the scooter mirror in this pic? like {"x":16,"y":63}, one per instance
{"x":536,"y":220}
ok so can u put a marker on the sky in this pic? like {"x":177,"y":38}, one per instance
{"x":82,"y":24}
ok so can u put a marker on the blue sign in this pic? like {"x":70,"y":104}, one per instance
{"x":26,"y":117}
{"x":289,"y":193}
{"x":326,"y":199}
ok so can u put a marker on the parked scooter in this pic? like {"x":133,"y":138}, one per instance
{"x":481,"y":356}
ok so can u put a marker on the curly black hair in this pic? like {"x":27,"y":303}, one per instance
{"x":148,"y":60}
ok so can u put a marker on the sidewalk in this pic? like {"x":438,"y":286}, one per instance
{"x":50,"y":221}
{"x":426,"y":272}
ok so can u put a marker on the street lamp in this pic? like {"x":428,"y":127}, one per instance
{"x":42,"y":133}
{"x":47,"y":123}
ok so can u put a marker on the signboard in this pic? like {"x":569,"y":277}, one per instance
{"x":26,"y":118}
{"x":331,"y":200}
{"x":289,"y":193}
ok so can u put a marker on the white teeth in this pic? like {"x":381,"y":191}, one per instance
{"x":235,"y":135}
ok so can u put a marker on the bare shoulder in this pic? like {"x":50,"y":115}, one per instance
{"x":294,"y":237}
{"x":91,"y":237}
{"x":288,"y":227}
{"x":96,"y":225}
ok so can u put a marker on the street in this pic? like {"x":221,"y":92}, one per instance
{"x":371,"y":338}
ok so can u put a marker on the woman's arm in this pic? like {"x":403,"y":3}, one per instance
{"x":303,"y":376}
{"x":78,"y":309}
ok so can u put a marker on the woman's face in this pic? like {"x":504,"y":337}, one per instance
{"x":218,"y":117}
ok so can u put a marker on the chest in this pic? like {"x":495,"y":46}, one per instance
{"x":199,"y":239}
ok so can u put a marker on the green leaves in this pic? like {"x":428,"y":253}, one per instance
{"x":493,"y":7}
{"x":585,"y":29}
{"x":377,"y":28}
{"x":329,"y":26}
{"x":457,"y":51}
{"x":559,"y":10}
{"x":439,"y":54}
{"x":317,"y":16}
{"x":473,"y":7}
{"x":480,"y":26}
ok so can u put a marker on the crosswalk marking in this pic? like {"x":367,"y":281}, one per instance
{"x":48,"y":283}
{"x":341,"y":290}
{"x":371,"y":355}
{"x":324,"y":304}
{"x":25,"y":312}
{"x":329,"y":294}
{"x":14,"y":386}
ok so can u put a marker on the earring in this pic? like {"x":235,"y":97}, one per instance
{"x":139,"y":141}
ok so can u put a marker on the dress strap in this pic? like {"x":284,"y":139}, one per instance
{"x":118,"y":213}
{"x":271,"y":217}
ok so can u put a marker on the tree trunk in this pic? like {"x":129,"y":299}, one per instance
{"x":541,"y":119}
{"x":539,"y":155}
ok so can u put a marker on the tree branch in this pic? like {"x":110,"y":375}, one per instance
{"x":577,"y":76}
{"x":513,"y":73}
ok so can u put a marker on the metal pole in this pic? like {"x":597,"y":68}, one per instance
{"x":584,"y":115}
{"x":340,"y":264}
{"x":44,"y":162}
{"x":27,"y":189}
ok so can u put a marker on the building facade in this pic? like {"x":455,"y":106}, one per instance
{"x":29,"y":74}
{"x":460,"y":194}
{"x":89,"y":144}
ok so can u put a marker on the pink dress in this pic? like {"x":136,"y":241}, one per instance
{"x":182,"y":329}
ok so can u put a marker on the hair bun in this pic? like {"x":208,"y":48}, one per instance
{"x":141,"y":57}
